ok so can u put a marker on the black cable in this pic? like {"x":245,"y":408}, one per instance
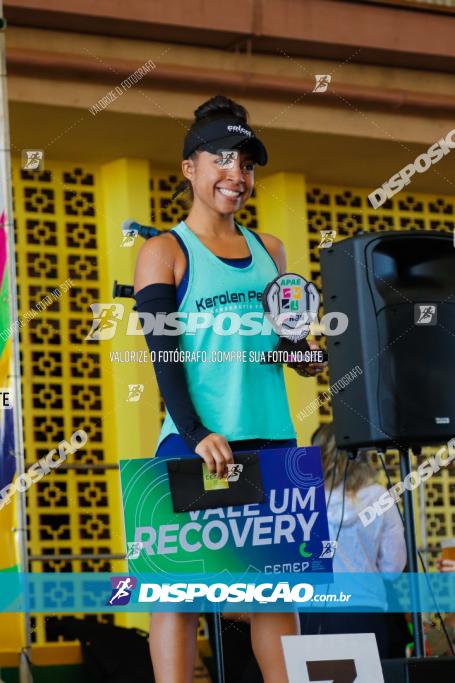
{"x":343,"y":501}
{"x":333,"y":477}
{"x":27,"y":659}
{"x":425,"y":571}
{"x":332,"y":484}
{"x":183,"y":186}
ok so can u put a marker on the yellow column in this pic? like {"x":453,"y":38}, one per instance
{"x":282,"y":211}
{"x":125,"y":194}
{"x":125,"y":189}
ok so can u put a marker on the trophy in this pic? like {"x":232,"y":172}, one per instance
{"x":291,"y":304}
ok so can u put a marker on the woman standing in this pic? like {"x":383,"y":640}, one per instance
{"x":209,"y":263}
{"x":378,"y":548}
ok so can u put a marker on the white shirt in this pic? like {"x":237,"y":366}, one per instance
{"x":379,"y":547}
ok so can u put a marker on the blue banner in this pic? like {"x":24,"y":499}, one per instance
{"x":288,"y":532}
{"x":72,"y":593}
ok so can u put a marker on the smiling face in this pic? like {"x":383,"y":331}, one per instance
{"x":220,"y":187}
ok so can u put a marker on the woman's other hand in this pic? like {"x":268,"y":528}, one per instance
{"x":309,"y":369}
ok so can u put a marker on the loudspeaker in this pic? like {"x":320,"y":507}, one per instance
{"x":398,"y":291}
{"x":419,"y":670}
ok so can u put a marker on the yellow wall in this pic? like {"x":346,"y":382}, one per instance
{"x":68,"y":226}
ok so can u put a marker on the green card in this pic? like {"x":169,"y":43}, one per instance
{"x":211,"y":481}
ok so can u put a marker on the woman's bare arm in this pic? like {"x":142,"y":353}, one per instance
{"x":156,"y":262}
{"x":276,"y":249}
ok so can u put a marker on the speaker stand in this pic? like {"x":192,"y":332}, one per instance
{"x":218,"y":642}
{"x":411,"y":550}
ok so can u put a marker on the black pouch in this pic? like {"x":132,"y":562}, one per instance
{"x":186,"y":481}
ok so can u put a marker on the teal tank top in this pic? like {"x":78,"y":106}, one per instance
{"x":240,"y":400}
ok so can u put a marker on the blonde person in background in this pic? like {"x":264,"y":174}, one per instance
{"x":379,"y":547}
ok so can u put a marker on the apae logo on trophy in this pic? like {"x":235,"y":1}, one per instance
{"x":291,"y":304}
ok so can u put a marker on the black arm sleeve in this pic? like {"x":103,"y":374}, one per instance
{"x":161,"y":298}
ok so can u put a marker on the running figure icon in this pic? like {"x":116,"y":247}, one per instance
{"x":122,"y":589}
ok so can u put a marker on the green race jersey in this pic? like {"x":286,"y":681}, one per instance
{"x":240,"y":400}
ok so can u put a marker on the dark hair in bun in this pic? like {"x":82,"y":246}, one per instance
{"x":217,"y":107}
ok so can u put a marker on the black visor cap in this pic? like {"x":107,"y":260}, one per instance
{"x":225,"y":134}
